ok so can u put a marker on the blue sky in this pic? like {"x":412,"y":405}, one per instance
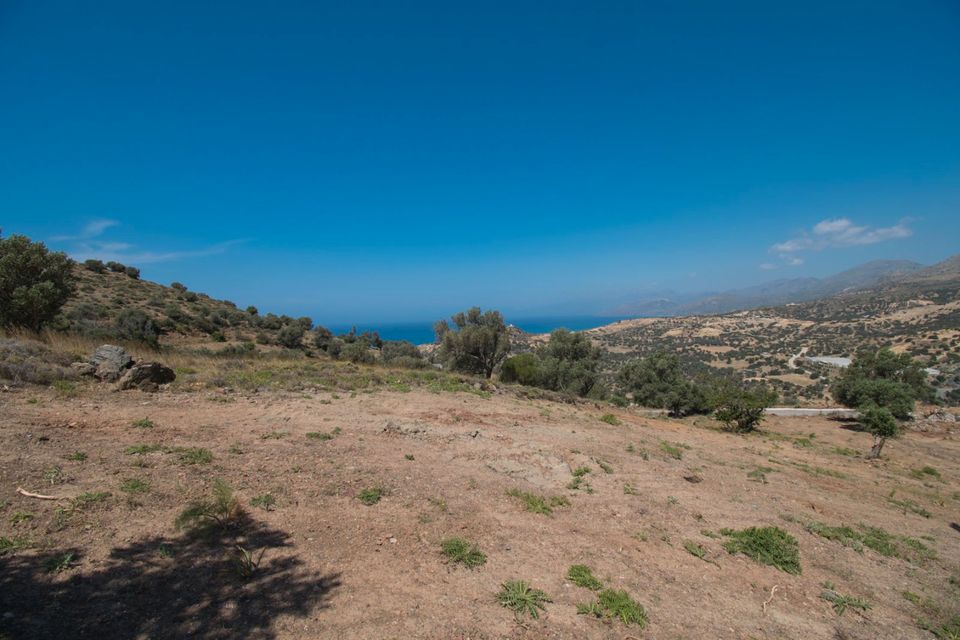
{"x":390,"y":161}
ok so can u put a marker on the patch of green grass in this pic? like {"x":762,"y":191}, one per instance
{"x":266,"y":502}
{"x":522,"y":599}
{"x":89,"y":498}
{"x":274,"y":435}
{"x":408,"y":456}
{"x":65,"y":388}
{"x":630,"y":490}
{"x":674,"y":451}
{"x":766,"y":545}
{"x":579,"y":478}
{"x":609,"y":418}
{"x":926,"y":472}
{"x":805,"y":443}
{"x":911,"y":506}
{"x":841,"y":602}
{"x":461,"y":551}
{"x":603,"y":465}
{"x":21,"y":516}
{"x":845,"y":451}
{"x":696,"y":550}
{"x":371,"y":495}
{"x":236,"y":450}
{"x":76,"y":456}
{"x":709,"y":534}
{"x":759,"y":474}
{"x":844,"y":535}
{"x":222,"y":510}
{"x":58,"y":563}
{"x":13,"y":544}
{"x":140,"y":449}
{"x":582,"y":576}
{"x":195,"y":455}
{"x":538,"y":504}
{"x":54,"y":475}
{"x":613,"y":603}
{"x":143,"y":423}
{"x":135,"y":485}
{"x":631,"y":448}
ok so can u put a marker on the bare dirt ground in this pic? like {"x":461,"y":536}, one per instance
{"x":333,"y":567}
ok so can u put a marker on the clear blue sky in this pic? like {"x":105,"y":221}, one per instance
{"x":401,"y":160}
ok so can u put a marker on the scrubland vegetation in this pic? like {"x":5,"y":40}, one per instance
{"x":295,"y":483}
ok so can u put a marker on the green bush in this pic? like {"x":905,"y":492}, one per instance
{"x":401,"y":353}
{"x":658,"y":382}
{"x":291,"y":336}
{"x":740,"y":409}
{"x":477,"y":343}
{"x":358,"y":352}
{"x":522,"y":368}
{"x":137,"y":326}
{"x":34,"y":282}
{"x":97,"y":266}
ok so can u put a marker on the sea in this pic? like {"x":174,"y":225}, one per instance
{"x":422,"y":332}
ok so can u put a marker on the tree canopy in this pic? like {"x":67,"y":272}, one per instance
{"x":34,"y":282}
{"x":476,"y":343}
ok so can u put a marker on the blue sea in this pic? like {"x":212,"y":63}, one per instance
{"x":422,"y":332}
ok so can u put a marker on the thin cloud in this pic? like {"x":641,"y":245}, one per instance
{"x":835,"y":233}
{"x":93,"y":229}
{"x":86,"y":244}
{"x":127,"y":253}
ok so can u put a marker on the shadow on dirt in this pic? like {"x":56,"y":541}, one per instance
{"x":186,"y":587}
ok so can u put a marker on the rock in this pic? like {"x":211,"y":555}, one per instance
{"x":83,"y":368}
{"x":693,"y":478}
{"x":147,"y":376}
{"x":110,"y":362}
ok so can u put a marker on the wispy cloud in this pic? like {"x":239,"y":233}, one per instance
{"x":93,"y":229}
{"x":834,"y":233}
{"x":842,"y":232}
{"x":86,"y":244}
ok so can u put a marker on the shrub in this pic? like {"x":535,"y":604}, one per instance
{"x":290,"y":336}
{"x":322,"y":337}
{"x":478,"y":343}
{"x":97,"y":266}
{"x":400,"y":352}
{"x":116,"y":267}
{"x":137,"y":326}
{"x":132,"y":272}
{"x":658,"y":382}
{"x":523,"y":368}
{"x":371,"y":495}
{"x":741,"y":410}
{"x":178,"y":286}
{"x":34,"y":282}
{"x":358,"y":352}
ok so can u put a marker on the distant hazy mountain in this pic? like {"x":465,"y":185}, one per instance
{"x":783,"y":291}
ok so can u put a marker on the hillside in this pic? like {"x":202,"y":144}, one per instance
{"x":183,"y":317}
{"x":916,"y":313}
{"x":776,"y":292}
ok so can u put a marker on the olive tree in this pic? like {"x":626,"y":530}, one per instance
{"x":883,"y":386}
{"x":34,"y":282}
{"x":477,"y":342}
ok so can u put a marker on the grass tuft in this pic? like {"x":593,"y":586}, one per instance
{"x":371,"y":495}
{"x":616,"y":603}
{"x":767,"y":545}
{"x":582,"y":576}
{"x":461,"y":551}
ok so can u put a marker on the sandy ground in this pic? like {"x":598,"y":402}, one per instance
{"x":334,"y":568}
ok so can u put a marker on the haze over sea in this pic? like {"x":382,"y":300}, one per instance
{"x":422,"y":332}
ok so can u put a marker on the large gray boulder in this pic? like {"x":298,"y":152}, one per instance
{"x":146,"y":376}
{"x":111,"y":362}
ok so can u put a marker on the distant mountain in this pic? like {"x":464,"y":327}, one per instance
{"x":782,"y":291}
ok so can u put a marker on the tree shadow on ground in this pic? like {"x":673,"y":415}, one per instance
{"x":193,"y":586}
